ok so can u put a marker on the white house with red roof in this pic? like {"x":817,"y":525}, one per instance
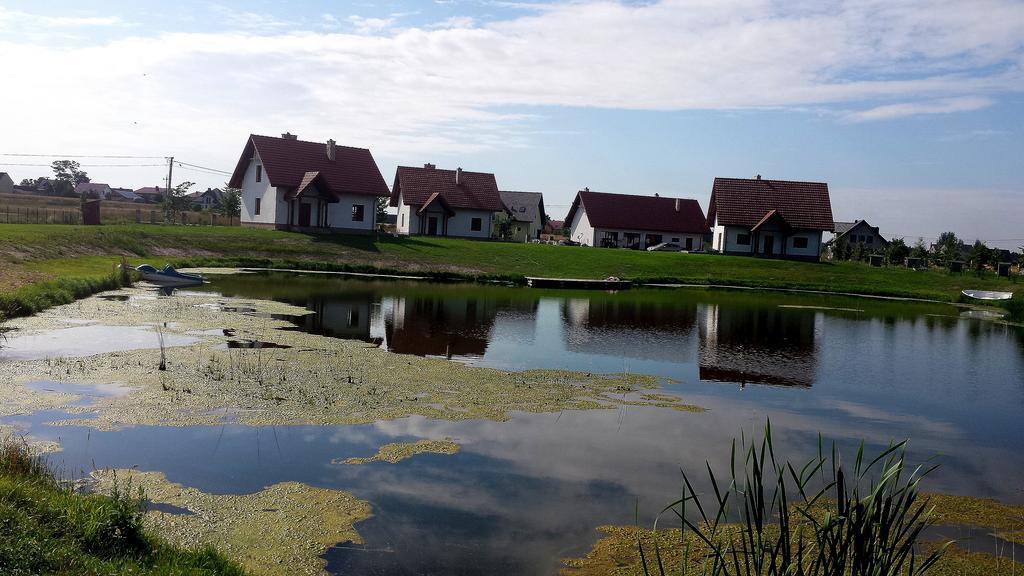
{"x":437,"y":202}
{"x":292,"y":184}
{"x":773,"y":218}
{"x":637,"y":222}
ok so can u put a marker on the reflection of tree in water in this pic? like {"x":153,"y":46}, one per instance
{"x":757,"y":345}
{"x":444,"y":325}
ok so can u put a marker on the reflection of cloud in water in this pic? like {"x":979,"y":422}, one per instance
{"x":86,"y":340}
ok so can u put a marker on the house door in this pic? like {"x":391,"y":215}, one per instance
{"x":769,"y":245}
{"x":432,"y":226}
{"x":305,"y":211}
{"x":689,"y":244}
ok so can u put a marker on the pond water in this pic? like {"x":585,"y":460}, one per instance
{"x":522,"y":494}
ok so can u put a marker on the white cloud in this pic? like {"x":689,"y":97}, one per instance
{"x":455,"y":22}
{"x":14,"y":19}
{"x":942,"y":106}
{"x":423,"y":91}
{"x":363,"y":25}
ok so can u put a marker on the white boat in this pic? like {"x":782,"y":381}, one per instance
{"x":987,"y":295}
{"x":168,"y":276}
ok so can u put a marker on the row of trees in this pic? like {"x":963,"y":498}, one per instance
{"x":177,"y":201}
{"x":946,"y":250}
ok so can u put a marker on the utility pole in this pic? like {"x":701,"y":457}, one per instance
{"x":170,"y":170}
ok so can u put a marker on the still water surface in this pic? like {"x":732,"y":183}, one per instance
{"x":524,"y":493}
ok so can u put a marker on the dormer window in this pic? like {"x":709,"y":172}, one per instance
{"x":259,"y":173}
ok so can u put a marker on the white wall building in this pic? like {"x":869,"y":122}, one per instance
{"x":771,"y":218}
{"x":438,"y":202}
{"x":291,"y":184}
{"x":637,"y":222}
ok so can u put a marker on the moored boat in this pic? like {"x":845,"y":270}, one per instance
{"x":168,"y":276}
{"x":987,"y":295}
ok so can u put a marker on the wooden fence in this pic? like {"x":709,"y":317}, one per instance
{"x":19,"y":211}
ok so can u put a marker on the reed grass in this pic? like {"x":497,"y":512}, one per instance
{"x":823,"y":518}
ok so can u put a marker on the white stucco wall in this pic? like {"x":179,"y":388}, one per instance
{"x":732,"y":244}
{"x":406,"y":221}
{"x":580,"y":229}
{"x":339,"y":214}
{"x":813,"y":244}
{"x":460,"y":223}
{"x":271,"y":210}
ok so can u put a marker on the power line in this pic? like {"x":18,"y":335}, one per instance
{"x":84,"y":156}
{"x":201,"y":167}
{"x":86,"y":165}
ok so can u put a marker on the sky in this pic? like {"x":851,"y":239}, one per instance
{"x":911,"y":110}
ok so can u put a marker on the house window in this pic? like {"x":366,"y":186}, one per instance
{"x":676,"y":240}
{"x":800,"y":242}
{"x":610,"y":239}
{"x":357,"y":212}
{"x":402,"y":223}
{"x":257,"y":211}
{"x":476,"y":224}
{"x":743,"y":239}
{"x":259,"y":173}
{"x":632,"y":240}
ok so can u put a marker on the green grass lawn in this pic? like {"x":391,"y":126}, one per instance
{"x":47,"y":528}
{"x":53,"y":252}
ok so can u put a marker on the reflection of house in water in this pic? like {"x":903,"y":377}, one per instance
{"x":630,"y":328}
{"x":438,"y":326}
{"x":346,"y":316}
{"x":758,"y":345}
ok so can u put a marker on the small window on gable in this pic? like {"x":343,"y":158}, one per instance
{"x":259,"y":173}
{"x":800,"y":242}
{"x":257,"y":211}
{"x":476,"y":224}
{"x":358,"y":212}
{"x":403,"y":221}
{"x":743,"y":239}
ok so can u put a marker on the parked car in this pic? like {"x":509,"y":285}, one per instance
{"x":666,"y":247}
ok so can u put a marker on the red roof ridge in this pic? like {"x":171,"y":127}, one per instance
{"x":771,"y":180}
{"x":324,"y":143}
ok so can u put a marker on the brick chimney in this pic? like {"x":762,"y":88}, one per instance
{"x":758,"y":176}
{"x":429,"y":166}
{"x":458,"y":176}
{"x":330,"y":149}
{"x":289,"y":136}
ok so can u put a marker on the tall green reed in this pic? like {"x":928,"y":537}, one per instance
{"x":822,"y":519}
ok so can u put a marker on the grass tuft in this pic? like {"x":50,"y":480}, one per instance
{"x":47,"y":527}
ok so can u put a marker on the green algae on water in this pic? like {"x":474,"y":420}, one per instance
{"x":283,"y":529}
{"x":316,"y":380}
{"x":398,"y":451}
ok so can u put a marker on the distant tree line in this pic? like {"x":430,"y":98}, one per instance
{"x":946,"y":250}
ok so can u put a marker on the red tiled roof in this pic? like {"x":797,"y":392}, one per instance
{"x":625,"y":211}
{"x":286,"y":162}
{"x":744,"y":202}
{"x":476,"y":191}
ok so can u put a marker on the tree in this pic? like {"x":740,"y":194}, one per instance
{"x":920,"y":250}
{"x":68,"y":174}
{"x":231,"y":203}
{"x":503,"y":227}
{"x":382,"y":209}
{"x":980,"y":256}
{"x":897,"y":251}
{"x":948,"y":247}
{"x":29,"y":182}
{"x":176,"y":201}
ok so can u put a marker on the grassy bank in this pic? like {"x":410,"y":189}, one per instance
{"x":48,"y":257}
{"x":46,"y":528}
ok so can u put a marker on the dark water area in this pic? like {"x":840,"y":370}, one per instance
{"x":522,"y":494}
